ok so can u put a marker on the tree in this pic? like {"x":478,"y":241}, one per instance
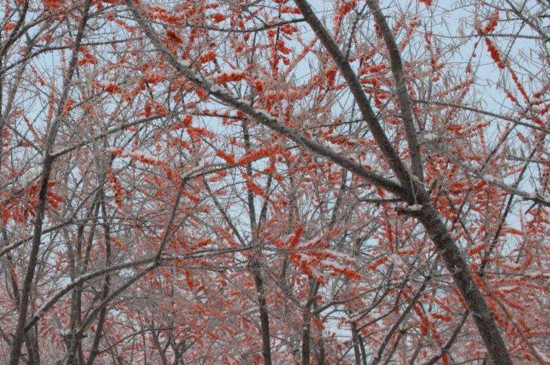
{"x":276,"y":182}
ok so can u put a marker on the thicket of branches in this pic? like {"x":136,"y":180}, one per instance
{"x":274,"y":182}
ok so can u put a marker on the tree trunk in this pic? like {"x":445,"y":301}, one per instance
{"x":255,"y":268}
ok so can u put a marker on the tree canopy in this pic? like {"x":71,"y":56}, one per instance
{"x":274,"y":182}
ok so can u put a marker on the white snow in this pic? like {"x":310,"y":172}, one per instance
{"x":533,"y":274}
{"x":311,"y":242}
{"x":233,"y":72}
{"x":264,"y":113}
{"x":340,"y":255}
{"x":430,"y":136}
{"x":489,"y":178}
{"x":544,"y":358}
{"x":243,"y":101}
{"x":217,"y":89}
{"x":333,"y":264}
{"x":507,"y":289}
{"x":65,"y":332}
{"x":30,"y":175}
{"x":306,"y":258}
{"x":146,"y":156}
{"x":414,"y":207}
{"x":410,"y":207}
{"x":512,"y":265}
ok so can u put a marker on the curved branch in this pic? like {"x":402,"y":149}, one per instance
{"x":270,"y":121}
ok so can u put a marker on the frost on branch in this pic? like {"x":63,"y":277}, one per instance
{"x":256,"y":204}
